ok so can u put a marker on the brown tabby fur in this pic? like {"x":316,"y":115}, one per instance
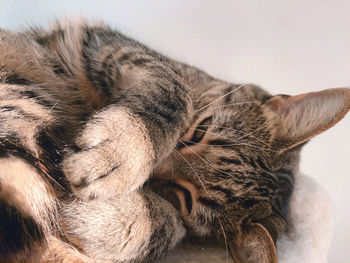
{"x":111,"y":152}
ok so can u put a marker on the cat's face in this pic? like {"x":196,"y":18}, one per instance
{"x":223,"y":166}
{"x":234,"y":166}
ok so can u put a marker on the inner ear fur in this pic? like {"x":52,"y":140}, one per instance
{"x":304,"y":116}
{"x":255,"y":245}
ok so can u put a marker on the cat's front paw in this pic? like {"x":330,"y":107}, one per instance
{"x":115,"y":156}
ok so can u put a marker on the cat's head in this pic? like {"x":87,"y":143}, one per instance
{"x":232,"y":172}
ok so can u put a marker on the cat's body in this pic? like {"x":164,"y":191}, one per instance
{"x":89,"y":115}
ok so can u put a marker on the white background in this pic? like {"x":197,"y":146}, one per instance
{"x":286,"y":47}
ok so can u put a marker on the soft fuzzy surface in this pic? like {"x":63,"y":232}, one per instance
{"x":310,"y":224}
{"x":308,"y":239}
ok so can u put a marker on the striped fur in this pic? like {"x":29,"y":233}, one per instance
{"x":88,"y":115}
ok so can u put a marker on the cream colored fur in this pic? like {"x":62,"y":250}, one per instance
{"x":131,"y":224}
{"x":124,"y":223}
{"x":30,"y":200}
{"x":113,"y":138}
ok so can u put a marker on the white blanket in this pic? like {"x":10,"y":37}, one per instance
{"x":311,"y":224}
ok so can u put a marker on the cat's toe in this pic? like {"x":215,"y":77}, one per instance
{"x":91,"y":175}
{"x":100,"y":188}
{"x":103,"y":172}
{"x":114,"y":156}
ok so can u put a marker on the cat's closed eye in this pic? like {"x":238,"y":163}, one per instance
{"x":198,"y":133}
{"x":200,"y":130}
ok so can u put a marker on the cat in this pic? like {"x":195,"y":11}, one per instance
{"x":112,"y":152}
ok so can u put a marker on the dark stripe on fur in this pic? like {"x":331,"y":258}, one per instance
{"x":16,"y":79}
{"x":39,"y":99}
{"x":227,"y":160}
{"x":228,"y":97}
{"x":285,"y":171}
{"x":45,"y":166}
{"x":249,"y":203}
{"x":219,"y":142}
{"x":84,"y":180}
{"x":221,"y":189}
{"x":261,"y":163}
{"x":188,"y":197}
{"x":126,"y":57}
{"x":21,"y":113}
{"x":12,"y":146}
{"x":90,"y":47}
{"x":49,"y":140}
{"x":209,"y":202}
{"x":18,"y":232}
{"x":141,"y":61}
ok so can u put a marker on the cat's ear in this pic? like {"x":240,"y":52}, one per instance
{"x":306,"y":115}
{"x":255,"y":246}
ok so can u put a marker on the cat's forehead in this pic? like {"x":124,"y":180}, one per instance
{"x":226,"y":93}
{"x":247,"y":116}
{"x":229,"y":101}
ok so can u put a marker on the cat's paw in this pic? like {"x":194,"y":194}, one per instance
{"x":115,"y":156}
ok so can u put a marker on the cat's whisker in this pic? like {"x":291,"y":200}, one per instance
{"x":226,"y":145}
{"x":49,"y":112}
{"x":194,"y":170}
{"x":43,"y":96}
{"x":225,"y":239}
{"x":172,"y":174}
{"x":234,"y":141}
{"x":52,"y":179}
{"x":233,"y":104}
{"x":115,"y":58}
{"x":243,"y":143}
{"x":236,"y":130}
{"x":205,"y":161}
{"x":51,"y":109}
{"x":223,"y":96}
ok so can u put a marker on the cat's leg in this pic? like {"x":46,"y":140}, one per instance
{"x":120,"y":144}
{"x":27,"y":200}
{"x":136,"y":227}
{"x":115,"y":155}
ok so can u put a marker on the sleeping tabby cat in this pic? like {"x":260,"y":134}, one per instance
{"x":111,"y":152}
